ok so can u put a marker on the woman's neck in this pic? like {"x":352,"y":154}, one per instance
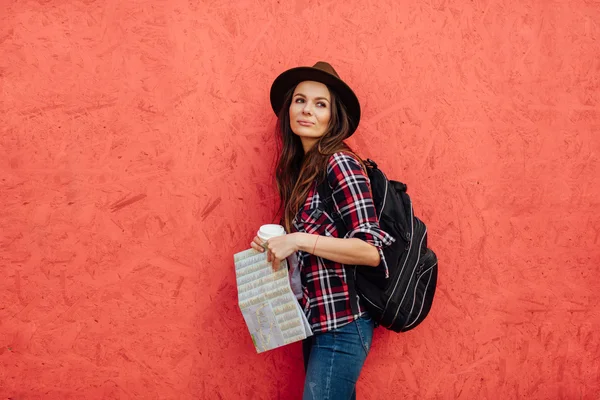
{"x":308,"y":143}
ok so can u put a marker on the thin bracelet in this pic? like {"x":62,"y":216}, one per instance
{"x":315,"y":246}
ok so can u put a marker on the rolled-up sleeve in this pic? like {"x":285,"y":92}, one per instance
{"x":354,"y":202}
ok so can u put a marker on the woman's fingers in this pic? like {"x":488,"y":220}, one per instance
{"x":275,"y":264}
{"x":257,"y":244}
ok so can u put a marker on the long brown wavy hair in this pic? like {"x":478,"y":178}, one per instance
{"x":295,"y":171}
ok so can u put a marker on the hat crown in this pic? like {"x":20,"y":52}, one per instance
{"x":326,"y":67}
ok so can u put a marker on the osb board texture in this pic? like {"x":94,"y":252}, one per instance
{"x":136,"y":157}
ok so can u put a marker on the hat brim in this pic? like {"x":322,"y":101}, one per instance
{"x":292,"y":77}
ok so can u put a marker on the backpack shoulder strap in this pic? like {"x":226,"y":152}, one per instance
{"x":326,"y":196}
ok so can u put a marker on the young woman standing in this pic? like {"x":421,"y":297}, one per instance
{"x":316,"y":112}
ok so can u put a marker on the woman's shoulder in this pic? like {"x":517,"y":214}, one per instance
{"x":343,"y":164}
{"x":343,"y":157}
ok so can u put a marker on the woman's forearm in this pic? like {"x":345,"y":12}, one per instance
{"x":351,"y":251}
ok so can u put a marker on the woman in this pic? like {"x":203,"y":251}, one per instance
{"x":316,"y":112}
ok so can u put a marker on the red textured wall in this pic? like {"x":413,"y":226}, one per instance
{"x":135,"y":154}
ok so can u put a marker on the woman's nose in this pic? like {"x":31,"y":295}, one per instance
{"x":307,"y":109}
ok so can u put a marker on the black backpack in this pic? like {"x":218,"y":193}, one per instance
{"x":403,"y":300}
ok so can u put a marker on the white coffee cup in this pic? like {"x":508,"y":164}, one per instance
{"x":269,"y":231}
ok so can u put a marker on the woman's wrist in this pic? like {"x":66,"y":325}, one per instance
{"x":303,"y":241}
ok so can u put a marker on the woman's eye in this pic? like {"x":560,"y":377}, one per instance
{"x":321,"y":104}
{"x":299,"y":100}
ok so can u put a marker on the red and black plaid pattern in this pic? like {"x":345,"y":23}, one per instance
{"x":326,"y":301}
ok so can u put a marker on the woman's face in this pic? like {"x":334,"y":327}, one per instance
{"x":310,"y":112}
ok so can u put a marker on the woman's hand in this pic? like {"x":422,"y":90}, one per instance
{"x":278,"y":248}
{"x":281,"y":247}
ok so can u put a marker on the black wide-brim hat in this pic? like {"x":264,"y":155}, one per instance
{"x":320,"y":72}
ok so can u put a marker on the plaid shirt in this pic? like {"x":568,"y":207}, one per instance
{"x":325,"y":300}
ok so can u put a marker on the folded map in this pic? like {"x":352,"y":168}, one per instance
{"x":272,"y":313}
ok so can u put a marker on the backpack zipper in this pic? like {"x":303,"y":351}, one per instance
{"x":405,"y":260}
{"x":418,"y":258}
{"x":373,"y":304}
{"x":422,"y":304}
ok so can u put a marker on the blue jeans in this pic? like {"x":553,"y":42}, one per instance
{"x":334,"y":359}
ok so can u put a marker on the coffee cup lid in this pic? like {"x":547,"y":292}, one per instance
{"x":269,"y":231}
